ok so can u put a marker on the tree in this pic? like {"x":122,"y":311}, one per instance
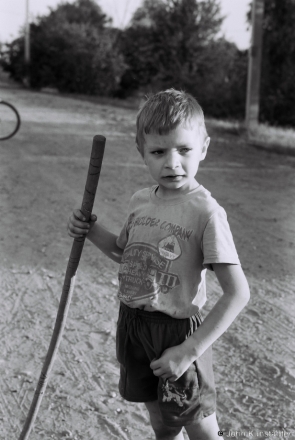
{"x":174,"y":43}
{"x":80,"y":12}
{"x":278,"y":63}
{"x":277,"y":90}
{"x":168,"y":36}
{"x":72,"y":49}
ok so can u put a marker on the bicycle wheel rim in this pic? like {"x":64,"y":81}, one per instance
{"x":9,"y":120}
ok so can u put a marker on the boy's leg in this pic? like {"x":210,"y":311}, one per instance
{"x":206,"y":429}
{"x":162,"y":431}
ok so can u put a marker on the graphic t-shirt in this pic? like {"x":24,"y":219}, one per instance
{"x":168,"y":246}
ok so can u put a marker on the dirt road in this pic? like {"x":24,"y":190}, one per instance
{"x":42,"y":176}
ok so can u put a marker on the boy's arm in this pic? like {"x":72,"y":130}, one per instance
{"x":105,"y":240}
{"x":176,"y":360}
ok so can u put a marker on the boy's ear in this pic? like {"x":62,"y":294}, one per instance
{"x":205,"y":147}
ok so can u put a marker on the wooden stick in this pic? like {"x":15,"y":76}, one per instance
{"x":69,"y":281}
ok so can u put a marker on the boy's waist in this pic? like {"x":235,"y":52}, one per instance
{"x":156,"y":315}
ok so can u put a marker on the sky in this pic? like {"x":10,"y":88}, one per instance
{"x":13,"y":13}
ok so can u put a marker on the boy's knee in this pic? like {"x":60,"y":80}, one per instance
{"x":163,"y":432}
{"x":166,"y":432}
{"x":205,"y":429}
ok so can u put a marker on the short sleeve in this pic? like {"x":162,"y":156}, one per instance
{"x":218,"y":244}
{"x":123,"y":237}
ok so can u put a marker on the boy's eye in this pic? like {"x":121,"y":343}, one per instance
{"x":157,"y":152}
{"x":185,"y":150}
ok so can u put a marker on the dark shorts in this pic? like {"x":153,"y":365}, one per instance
{"x":143,"y":336}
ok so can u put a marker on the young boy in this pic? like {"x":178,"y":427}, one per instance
{"x":175,"y":231}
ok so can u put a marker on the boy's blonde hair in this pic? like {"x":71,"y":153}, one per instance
{"x":165,"y":111}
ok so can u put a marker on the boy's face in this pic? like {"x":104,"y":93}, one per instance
{"x":173,"y":159}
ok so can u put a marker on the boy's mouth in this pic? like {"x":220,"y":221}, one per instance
{"x":174,"y":177}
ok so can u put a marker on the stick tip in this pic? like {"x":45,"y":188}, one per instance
{"x":99,"y":138}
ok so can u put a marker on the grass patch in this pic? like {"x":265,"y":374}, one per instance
{"x":263,"y":135}
{"x":234,"y":127}
{"x":273,"y":136}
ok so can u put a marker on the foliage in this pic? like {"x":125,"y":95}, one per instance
{"x":278,"y":63}
{"x":167,"y":36}
{"x":173,"y":43}
{"x":169,"y":43}
{"x":277,"y":84}
{"x":72,"y":50}
{"x":81,"y":12}
{"x":221,"y":88}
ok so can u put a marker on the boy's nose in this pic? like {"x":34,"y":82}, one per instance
{"x":172,"y":161}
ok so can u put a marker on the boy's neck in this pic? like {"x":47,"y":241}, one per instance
{"x":166,"y":194}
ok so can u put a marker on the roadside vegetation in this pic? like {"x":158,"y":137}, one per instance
{"x":168,"y":43}
{"x":264,"y":134}
{"x":261,"y":135}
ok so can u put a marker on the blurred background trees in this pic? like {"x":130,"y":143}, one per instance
{"x":169,"y":43}
{"x":277,"y":99}
{"x":72,"y":49}
{"x":174,"y":43}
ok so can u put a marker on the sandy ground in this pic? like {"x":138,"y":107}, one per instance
{"x":43,"y":171}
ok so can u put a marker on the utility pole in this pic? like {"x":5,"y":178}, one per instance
{"x":254,"y":66}
{"x":27,"y":45}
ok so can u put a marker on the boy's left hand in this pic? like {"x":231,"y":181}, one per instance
{"x":172,"y":364}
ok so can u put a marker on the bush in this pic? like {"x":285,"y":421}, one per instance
{"x":71,"y":50}
{"x":277,"y":98}
{"x":173,"y":43}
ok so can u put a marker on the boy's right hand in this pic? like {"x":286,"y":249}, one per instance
{"x":77,"y":225}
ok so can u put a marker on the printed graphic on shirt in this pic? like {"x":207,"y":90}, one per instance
{"x":152,"y":222}
{"x":169,"y":248}
{"x":145,"y":272}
